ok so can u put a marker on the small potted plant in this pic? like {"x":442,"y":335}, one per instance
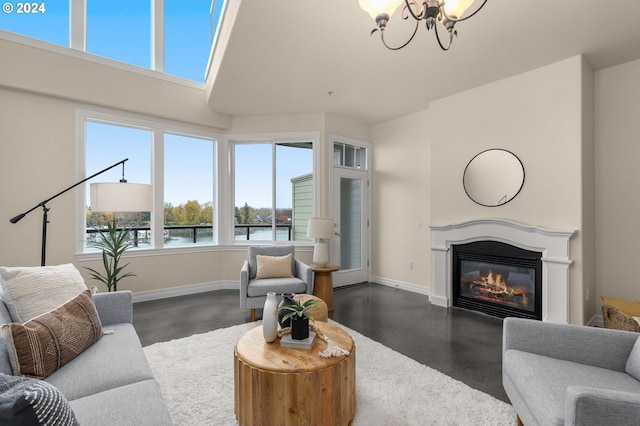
{"x":299,"y":315}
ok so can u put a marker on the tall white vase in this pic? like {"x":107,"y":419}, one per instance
{"x":270,"y":318}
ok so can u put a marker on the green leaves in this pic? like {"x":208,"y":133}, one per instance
{"x":300,"y":310}
{"x":113,"y":244}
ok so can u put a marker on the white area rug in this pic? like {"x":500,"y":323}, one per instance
{"x":196,"y":377}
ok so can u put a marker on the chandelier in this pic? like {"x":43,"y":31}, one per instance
{"x":445,"y":12}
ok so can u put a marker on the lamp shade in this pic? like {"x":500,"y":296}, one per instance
{"x":377,"y":7}
{"x":121,"y":197}
{"x":320,"y":228}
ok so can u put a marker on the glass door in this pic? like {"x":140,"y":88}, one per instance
{"x":350,"y":246}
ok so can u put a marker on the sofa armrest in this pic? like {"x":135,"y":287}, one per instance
{"x":305,"y":273}
{"x":244,"y":284}
{"x":589,"y":406}
{"x":595,"y":346}
{"x":114,"y":307}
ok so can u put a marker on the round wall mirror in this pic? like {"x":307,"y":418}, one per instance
{"x":493,"y":177}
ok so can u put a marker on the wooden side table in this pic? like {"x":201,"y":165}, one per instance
{"x":323,"y":283}
{"x":286,"y":386}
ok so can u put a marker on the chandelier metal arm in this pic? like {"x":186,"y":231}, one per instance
{"x":421,"y":15}
{"x":452,"y":19}
{"x":440,"y":42}
{"x":415,"y":30}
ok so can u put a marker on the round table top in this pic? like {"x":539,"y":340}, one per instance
{"x":253,"y":350}
{"x":324,"y":268}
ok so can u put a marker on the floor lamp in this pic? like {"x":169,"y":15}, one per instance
{"x":122,"y":196}
{"x":322,"y":230}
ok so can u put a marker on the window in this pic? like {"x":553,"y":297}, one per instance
{"x":186,"y":162}
{"x":107,"y":144}
{"x":274,"y":190}
{"x":48,"y":21}
{"x":120,"y":29}
{"x":188,"y":190}
{"x":186,"y":52}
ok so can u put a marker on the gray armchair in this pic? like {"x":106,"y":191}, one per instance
{"x":560,"y":374}
{"x":253,"y":291}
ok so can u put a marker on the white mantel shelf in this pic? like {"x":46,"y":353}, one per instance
{"x":552,"y":243}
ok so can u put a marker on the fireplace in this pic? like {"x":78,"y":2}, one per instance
{"x":552,"y":243}
{"x":498,"y":279}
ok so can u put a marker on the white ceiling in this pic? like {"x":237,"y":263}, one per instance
{"x":308,"y":56}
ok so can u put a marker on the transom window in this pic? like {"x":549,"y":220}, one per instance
{"x":350,"y":156}
{"x":171,"y":36}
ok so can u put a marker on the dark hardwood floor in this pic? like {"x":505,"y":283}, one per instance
{"x":462,"y":344}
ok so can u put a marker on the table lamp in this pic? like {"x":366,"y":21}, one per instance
{"x":321,"y":229}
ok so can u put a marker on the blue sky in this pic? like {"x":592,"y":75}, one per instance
{"x":120,"y":30}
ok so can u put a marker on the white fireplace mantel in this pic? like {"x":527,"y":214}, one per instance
{"x":552,"y":243}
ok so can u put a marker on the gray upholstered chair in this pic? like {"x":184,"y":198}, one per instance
{"x":562,"y":374}
{"x":253,"y":290}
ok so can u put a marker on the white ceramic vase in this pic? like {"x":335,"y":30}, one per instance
{"x":270,"y":318}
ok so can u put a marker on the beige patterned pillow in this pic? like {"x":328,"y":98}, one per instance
{"x":274,"y":266}
{"x":41,"y":346}
{"x":34,"y":290}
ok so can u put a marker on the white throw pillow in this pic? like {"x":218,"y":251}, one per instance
{"x":33,"y":290}
{"x":633,"y":362}
{"x":274,"y":266}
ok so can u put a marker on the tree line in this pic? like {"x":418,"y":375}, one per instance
{"x":189,"y":213}
{"x":249,"y":215}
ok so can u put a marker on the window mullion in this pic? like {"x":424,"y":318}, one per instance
{"x":78,"y":25}
{"x":157,"y":177}
{"x":273,"y":191}
{"x":157,"y":35}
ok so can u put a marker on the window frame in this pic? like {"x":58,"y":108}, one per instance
{"x":229,"y":141}
{"x":158,"y":128}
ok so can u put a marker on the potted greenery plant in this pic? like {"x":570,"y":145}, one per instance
{"x":113,"y":244}
{"x":299,"y":315}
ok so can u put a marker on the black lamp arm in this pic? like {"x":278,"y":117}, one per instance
{"x":45,"y":209}
{"x":42,"y":204}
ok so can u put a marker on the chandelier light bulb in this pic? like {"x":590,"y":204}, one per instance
{"x":379,"y":7}
{"x":456,"y":8}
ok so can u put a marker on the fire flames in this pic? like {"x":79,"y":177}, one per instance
{"x":494,"y":286}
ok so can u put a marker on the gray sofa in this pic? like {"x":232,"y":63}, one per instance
{"x":560,"y":374}
{"x":111,"y":382}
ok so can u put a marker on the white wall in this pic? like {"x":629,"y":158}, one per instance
{"x":537,"y":115}
{"x":83,"y":77}
{"x":401,"y":192}
{"x":617,"y":141}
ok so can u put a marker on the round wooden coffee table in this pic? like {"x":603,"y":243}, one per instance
{"x":286,"y":386}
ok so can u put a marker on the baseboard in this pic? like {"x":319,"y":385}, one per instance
{"x":165,"y":293}
{"x":414,"y":288}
